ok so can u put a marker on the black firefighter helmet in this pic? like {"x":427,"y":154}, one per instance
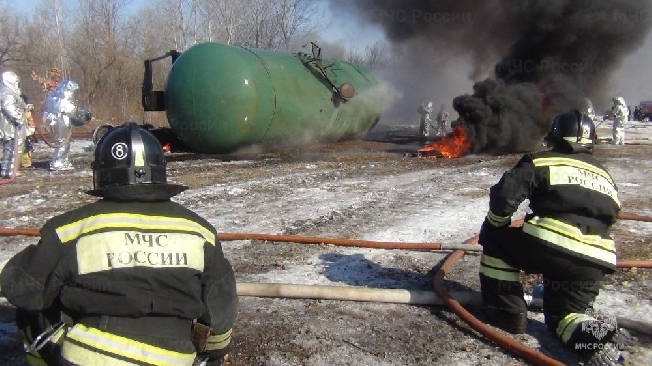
{"x":573,"y":126}
{"x":130,"y":164}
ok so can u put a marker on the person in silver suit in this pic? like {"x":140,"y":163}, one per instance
{"x":12,"y":122}
{"x":620,"y":114}
{"x":59,"y":109}
{"x":442,"y":117}
{"x":425,"y":110}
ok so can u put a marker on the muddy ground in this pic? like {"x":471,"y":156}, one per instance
{"x":367,"y":190}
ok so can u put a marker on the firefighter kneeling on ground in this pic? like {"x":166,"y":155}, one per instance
{"x":126,"y":279}
{"x":566,"y":238}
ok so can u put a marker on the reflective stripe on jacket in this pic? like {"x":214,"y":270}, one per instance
{"x":574,"y":202}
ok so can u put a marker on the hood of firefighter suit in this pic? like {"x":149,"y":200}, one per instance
{"x":11,"y":81}
{"x":130,"y":165}
{"x":619,"y":101}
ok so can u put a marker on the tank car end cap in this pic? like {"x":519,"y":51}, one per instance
{"x":347,"y":91}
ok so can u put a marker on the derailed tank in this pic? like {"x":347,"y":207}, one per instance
{"x":219,"y":98}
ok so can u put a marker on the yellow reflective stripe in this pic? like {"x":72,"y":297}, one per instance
{"x":34,"y":359}
{"x":122,"y":346}
{"x":129,"y":249}
{"x":82,"y":356}
{"x":567,"y":175}
{"x":74,"y":230}
{"x":567,"y":326}
{"x":499,"y":274}
{"x":541,"y":162}
{"x":218,"y":341}
{"x":496,"y":263}
{"x":574,"y":233}
{"x":58,"y":336}
{"x":496,"y":220}
{"x":604,"y":252}
{"x":497,"y":269}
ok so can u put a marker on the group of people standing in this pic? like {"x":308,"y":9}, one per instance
{"x":426,"y":110}
{"x":17,"y":127}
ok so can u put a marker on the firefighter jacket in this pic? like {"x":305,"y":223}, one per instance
{"x":574,"y":202}
{"x":12,"y":114}
{"x":133,"y":276}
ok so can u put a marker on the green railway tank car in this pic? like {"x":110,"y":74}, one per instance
{"x":219,"y":98}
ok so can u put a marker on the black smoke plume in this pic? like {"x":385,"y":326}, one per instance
{"x":537,"y":57}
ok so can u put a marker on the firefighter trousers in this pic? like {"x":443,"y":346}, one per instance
{"x":570,"y":286}
{"x":96,"y":340}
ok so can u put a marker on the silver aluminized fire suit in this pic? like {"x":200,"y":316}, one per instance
{"x":59,"y":107}
{"x":620,"y":115}
{"x":426,"y":118}
{"x":12,"y":122}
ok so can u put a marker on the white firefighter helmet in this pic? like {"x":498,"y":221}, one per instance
{"x":11,"y":81}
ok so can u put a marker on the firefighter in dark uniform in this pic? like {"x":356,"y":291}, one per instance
{"x":566,"y":238}
{"x":126,"y":279}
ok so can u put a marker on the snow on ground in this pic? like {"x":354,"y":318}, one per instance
{"x":442,"y":204}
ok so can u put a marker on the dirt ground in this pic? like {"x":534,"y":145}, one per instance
{"x":278,"y":331}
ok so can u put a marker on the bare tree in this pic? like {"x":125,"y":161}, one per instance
{"x":376,"y":55}
{"x":11,"y":25}
{"x":96,"y":51}
{"x":57,"y":23}
{"x":354,"y":56}
{"x":178,"y":20}
{"x":260,"y":31}
{"x":230,"y":20}
{"x":101,"y":44}
{"x":294,"y":18}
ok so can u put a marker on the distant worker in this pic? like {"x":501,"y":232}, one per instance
{"x":30,"y":130}
{"x":62,"y":114}
{"x":620,"y":114}
{"x":426,"y":120}
{"x":12,"y":123}
{"x":589,"y":111}
{"x":566,"y":238}
{"x":637,"y":113}
{"x":131,"y":279}
{"x":442,"y":118}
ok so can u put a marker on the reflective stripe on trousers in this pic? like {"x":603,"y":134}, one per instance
{"x":497,"y":269}
{"x":90,"y":346}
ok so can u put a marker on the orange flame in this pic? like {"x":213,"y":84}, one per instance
{"x":452,"y":146}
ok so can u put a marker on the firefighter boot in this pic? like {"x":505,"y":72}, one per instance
{"x":610,"y":353}
{"x":607,"y":355}
{"x":513,"y":323}
{"x":26,"y":160}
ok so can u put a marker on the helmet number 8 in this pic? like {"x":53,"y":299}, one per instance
{"x":119,"y":151}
